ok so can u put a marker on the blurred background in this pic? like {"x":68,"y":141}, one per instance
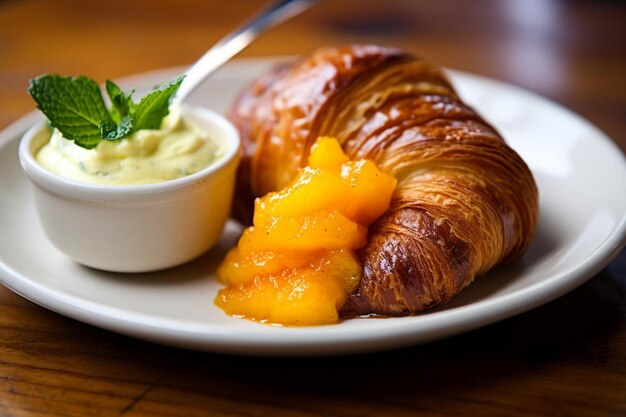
{"x":570,"y":51}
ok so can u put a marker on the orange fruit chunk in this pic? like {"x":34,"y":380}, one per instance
{"x":297,"y":264}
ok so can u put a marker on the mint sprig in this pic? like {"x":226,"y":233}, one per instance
{"x":75,"y":106}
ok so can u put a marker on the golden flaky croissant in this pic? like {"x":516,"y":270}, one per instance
{"x":465,"y":200}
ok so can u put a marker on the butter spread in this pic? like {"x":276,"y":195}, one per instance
{"x":177,"y":149}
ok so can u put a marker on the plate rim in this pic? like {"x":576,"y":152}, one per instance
{"x":400,"y":332}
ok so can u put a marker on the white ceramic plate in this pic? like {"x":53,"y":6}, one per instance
{"x":582,"y":181}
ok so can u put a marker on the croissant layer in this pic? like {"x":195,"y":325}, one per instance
{"x":465,"y":200}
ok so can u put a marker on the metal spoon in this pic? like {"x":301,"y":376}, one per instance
{"x":273,"y":14}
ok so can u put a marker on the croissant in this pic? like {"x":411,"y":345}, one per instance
{"x":465,"y":200}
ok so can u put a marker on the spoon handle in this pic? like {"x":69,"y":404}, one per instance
{"x":275,"y":13}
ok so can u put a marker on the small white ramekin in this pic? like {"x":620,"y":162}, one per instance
{"x":136,"y":228}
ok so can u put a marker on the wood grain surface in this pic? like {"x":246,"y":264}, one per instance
{"x":567,"y":358}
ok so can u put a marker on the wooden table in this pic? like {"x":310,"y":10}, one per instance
{"x":567,"y":358}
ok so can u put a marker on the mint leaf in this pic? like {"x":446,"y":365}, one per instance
{"x":122,"y":103}
{"x":73,"y":105}
{"x":76,"y":107}
{"x":153,"y":107}
{"x":111,"y":131}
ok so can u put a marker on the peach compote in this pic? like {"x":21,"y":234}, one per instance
{"x":297,"y":264}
